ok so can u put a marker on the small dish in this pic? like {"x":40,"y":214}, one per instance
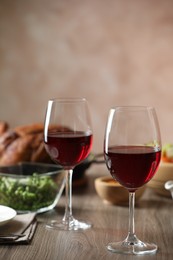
{"x":163,"y":174}
{"x":113,"y":193}
{"x":6,"y":214}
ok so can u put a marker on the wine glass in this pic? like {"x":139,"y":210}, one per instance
{"x":132,"y":151}
{"x":68,"y":139}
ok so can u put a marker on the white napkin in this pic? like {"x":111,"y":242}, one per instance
{"x":19,"y":230}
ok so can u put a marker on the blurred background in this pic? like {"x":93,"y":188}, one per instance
{"x":113,"y":52}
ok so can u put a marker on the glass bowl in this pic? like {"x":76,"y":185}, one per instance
{"x":31,"y":187}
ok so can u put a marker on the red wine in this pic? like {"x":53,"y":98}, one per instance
{"x":132,"y":166}
{"x":68,"y":148}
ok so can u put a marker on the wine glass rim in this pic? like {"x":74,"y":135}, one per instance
{"x":132,"y":107}
{"x":68,"y":100}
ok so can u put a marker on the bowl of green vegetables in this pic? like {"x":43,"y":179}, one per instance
{"x":31,"y":187}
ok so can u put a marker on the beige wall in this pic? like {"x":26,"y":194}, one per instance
{"x":113,"y":52}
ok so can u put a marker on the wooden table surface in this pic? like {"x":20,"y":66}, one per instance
{"x":153,"y":218}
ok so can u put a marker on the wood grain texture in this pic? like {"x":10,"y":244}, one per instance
{"x":153,"y":217}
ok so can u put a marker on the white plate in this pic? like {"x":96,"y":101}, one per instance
{"x":6,"y":214}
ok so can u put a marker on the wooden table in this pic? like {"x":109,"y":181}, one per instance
{"x":153,"y":217}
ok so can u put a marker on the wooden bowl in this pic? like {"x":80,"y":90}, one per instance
{"x":110,"y":191}
{"x":163,"y":174}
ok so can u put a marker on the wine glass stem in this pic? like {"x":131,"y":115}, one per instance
{"x":131,"y":232}
{"x":68,"y":217}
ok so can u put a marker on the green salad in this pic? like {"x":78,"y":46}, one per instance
{"x":30,"y":193}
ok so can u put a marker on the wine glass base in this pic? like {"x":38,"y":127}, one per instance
{"x":74,"y":225}
{"x":139,"y":248}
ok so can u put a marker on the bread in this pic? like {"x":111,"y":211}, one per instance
{"x":18,"y":150}
{"x":6,"y":139}
{"x":23,"y":143}
{"x":29,"y":129}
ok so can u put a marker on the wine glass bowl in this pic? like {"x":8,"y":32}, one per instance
{"x":68,"y":141}
{"x":132,"y":150}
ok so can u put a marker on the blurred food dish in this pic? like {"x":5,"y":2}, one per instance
{"x":31,"y":187}
{"x":23,"y":143}
{"x":112,"y":192}
{"x":163,"y":174}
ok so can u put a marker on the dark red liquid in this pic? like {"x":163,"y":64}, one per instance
{"x":68,"y":148}
{"x":132,"y":166}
